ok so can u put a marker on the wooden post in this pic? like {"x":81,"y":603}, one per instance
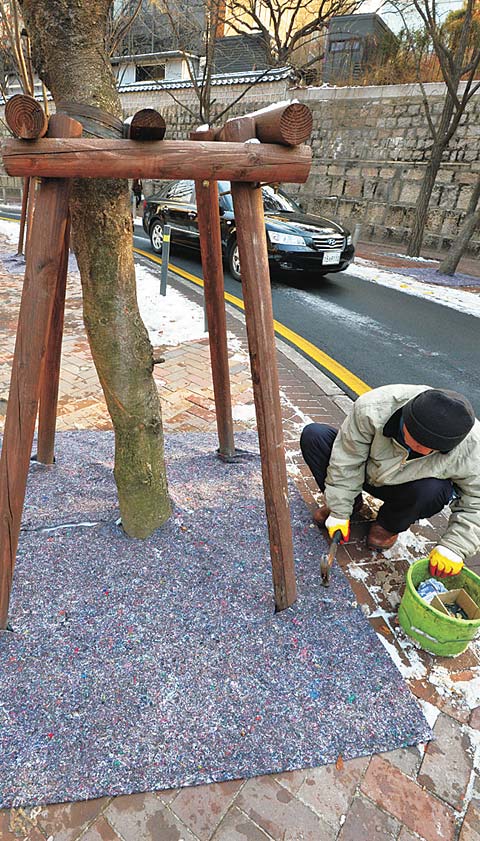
{"x":252,"y":248}
{"x":42,"y":269}
{"x":30,"y":212}
{"x":212,"y":265}
{"x":206,"y":192}
{"x":257,"y":297}
{"x":23,"y":214}
{"x":47,"y":414}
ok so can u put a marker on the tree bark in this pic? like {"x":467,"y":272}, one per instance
{"x":440,"y":143}
{"x":423,"y":202}
{"x":468,"y":227}
{"x":68,"y":41}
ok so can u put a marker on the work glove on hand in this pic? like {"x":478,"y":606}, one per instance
{"x":444,"y":562}
{"x":333,"y":524}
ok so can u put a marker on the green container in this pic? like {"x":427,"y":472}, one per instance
{"x":434,"y":631}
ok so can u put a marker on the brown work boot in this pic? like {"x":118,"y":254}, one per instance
{"x":323,"y":511}
{"x":321,"y":514}
{"x":380,"y":539}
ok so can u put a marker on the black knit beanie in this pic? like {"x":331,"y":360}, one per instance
{"x":438,"y":418}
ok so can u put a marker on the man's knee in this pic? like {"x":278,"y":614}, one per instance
{"x":433,"y":494}
{"x":315,"y":437}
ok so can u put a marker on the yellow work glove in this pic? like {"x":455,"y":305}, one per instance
{"x":444,"y":562}
{"x":334,"y":524}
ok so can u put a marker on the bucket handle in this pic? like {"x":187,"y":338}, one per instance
{"x":423,"y":634}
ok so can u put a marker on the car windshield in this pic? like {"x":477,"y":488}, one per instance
{"x":273,"y":200}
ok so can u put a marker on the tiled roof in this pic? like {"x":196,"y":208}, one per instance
{"x":273,"y":74}
{"x":240,"y":53}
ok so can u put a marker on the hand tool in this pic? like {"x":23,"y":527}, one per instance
{"x":328,"y":558}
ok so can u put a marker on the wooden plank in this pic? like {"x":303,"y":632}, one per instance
{"x":109,"y":158}
{"x":43,"y":262}
{"x":212,"y":265}
{"x":252,"y":246}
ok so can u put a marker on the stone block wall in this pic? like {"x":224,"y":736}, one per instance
{"x":370,"y":149}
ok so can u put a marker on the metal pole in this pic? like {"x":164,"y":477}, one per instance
{"x":357,"y":233}
{"x":165,"y":259}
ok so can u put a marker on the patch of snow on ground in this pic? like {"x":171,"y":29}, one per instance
{"x":245,"y":412}
{"x":467,"y":692}
{"x":357,"y":572}
{"x":235,"y":346}
{"x":414,"y":259}
{"x":170,"y":319}
{"x":430,"y":712}
{"x":455,"y":298}
{"x":415,"y":670}
{"x":10,"y":230}
{"x":304,"y":419}
{"x":409,"y":546}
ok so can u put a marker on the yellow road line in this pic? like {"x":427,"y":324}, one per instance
{"x":345,"y":376}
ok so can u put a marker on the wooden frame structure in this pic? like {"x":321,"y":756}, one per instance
{"x":261,"y":147}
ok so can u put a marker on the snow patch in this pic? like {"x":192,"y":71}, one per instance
{"x":457,"y":299}
{"x":9,"y":230}
{"x":245,"y":412}
{"x":171,"y":319}
{"x":409,"y":547}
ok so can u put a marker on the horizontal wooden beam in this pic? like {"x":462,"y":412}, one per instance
{"x":107,"y":158}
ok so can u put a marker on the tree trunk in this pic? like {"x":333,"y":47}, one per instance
{"x":467,"y":229}
{"x":440,"y":143}
{"x":69,"y":55}
{"x":423,"y":202}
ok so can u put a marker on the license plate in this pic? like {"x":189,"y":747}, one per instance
{"x":331,"y":258}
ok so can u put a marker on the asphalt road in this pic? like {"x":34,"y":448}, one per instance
{"x":379,"y":334}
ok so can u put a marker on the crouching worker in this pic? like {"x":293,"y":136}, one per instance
{"x":414,"y":447}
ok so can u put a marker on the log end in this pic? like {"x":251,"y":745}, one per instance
{"x":25,"y":117}
{"x":296,"y":124}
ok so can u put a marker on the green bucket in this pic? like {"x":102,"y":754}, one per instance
{"x":434,"y":631}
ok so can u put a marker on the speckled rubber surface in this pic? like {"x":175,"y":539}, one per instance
{"x":142,"y":665}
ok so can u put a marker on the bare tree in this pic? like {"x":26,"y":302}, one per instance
{"x":16,"y":46}
{"x":287,"y":26}
{"x":68,"y":41}
{"x":458,"y":54}
{"x":467,"y":229}
{"x":120,"y":22}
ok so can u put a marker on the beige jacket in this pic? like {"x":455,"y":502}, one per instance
{"x":363,"y":452}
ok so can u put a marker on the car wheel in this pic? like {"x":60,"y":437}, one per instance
{"x":234,"y":261}
{"x":156,"y":237}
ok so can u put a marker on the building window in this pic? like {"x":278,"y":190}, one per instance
{"x":147,"y":72}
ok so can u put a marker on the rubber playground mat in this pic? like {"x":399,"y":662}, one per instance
{"x":144,"y":665}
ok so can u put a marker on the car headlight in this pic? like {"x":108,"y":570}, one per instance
{"x":349,"y":239}
{"x":285,"y":239}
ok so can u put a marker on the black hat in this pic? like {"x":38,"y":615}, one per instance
{"x":438,"y":418}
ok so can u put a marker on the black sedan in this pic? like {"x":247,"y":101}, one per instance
{"x":296,"y":241}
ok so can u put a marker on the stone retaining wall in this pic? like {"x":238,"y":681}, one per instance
{"x":370,"y":149}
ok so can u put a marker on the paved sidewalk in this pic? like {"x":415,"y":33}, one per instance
{"x":407,"y":794}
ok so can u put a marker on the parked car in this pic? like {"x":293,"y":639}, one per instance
{"x":296,"y":241}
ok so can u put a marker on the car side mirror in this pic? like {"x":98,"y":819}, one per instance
{"x":221,"y":210}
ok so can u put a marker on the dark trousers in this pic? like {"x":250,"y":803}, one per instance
{"x":402,"y":504}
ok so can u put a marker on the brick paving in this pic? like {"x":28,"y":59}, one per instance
{"x":411,"y":794}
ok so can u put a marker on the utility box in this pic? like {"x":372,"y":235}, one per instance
{"x":354,"y":41}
